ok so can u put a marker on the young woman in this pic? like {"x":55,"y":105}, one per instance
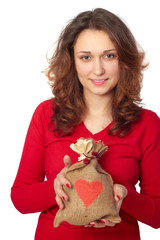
{"x":96,"y":76}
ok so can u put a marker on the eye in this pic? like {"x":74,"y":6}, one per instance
{"x":110,"y":56}
{"x":85,"y":58}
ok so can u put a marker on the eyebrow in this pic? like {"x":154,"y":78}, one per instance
{"x":88,"y":52}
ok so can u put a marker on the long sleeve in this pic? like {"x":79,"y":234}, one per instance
{"x":30,"y":193}
{"x":145,"y":206}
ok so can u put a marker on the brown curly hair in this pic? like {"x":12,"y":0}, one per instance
{"x":69,"y":104}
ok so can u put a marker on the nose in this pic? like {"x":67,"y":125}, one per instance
{"x":98,"y":68}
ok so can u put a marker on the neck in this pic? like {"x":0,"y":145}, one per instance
{"x":99,"y":105}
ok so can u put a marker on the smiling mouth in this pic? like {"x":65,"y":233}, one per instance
{"x":98,"y":81}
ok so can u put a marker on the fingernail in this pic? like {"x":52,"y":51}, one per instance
{"x":103,"y":221}
{"x":68,"y":185}
{"x":63,"y":198}
{"x":92,"y":224}
{"x":118,"y":197}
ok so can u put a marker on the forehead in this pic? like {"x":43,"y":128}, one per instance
{"x":93,"y":40}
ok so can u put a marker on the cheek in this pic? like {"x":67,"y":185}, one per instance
{"x":82,"y":70}
{"x":113,"y":69}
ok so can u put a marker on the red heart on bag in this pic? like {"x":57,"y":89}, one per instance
{"x":88,"y":192}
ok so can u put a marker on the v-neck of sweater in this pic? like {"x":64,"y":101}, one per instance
{"x":101,"y":133}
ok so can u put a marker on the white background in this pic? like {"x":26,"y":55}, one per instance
{"x":28,"y":30}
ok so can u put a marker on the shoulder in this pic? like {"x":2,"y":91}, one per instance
{"x":148,"y":117}
{"x":146,"y":131}
{"x":45,"y":106}
{"x":148,"y":124}
{"x":44,"y":110}
{"x":149,"y":113}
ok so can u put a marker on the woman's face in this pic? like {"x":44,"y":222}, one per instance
{"x":96,"y":62}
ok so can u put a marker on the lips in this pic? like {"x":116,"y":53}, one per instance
{"x":98,"y":81}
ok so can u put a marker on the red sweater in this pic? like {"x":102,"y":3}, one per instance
{"x":129,"y":159}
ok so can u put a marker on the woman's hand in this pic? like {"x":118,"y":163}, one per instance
{"x":61,"y":180}
{"x":120,"y":192}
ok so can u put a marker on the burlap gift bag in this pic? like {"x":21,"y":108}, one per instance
{"x":91,"y":195}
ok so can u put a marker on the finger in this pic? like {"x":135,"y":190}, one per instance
{"x":118,"y":193}
{"x":97,"y":224}
{"x":120,"y":190}
{"x":59,"y":202}
{"x":62,"y":180}
{"x":88,"y":225}
{"x":118,"y":200}
{"x":103,"y":223}
{"x":108,"y":223}
{"x":67,"y":162}
{"x":61,"y":193}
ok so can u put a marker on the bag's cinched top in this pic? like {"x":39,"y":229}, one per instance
{"x":88,"y":148}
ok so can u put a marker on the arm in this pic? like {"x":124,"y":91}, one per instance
{"x":145,"y":207}
{"x":30,"y":193}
